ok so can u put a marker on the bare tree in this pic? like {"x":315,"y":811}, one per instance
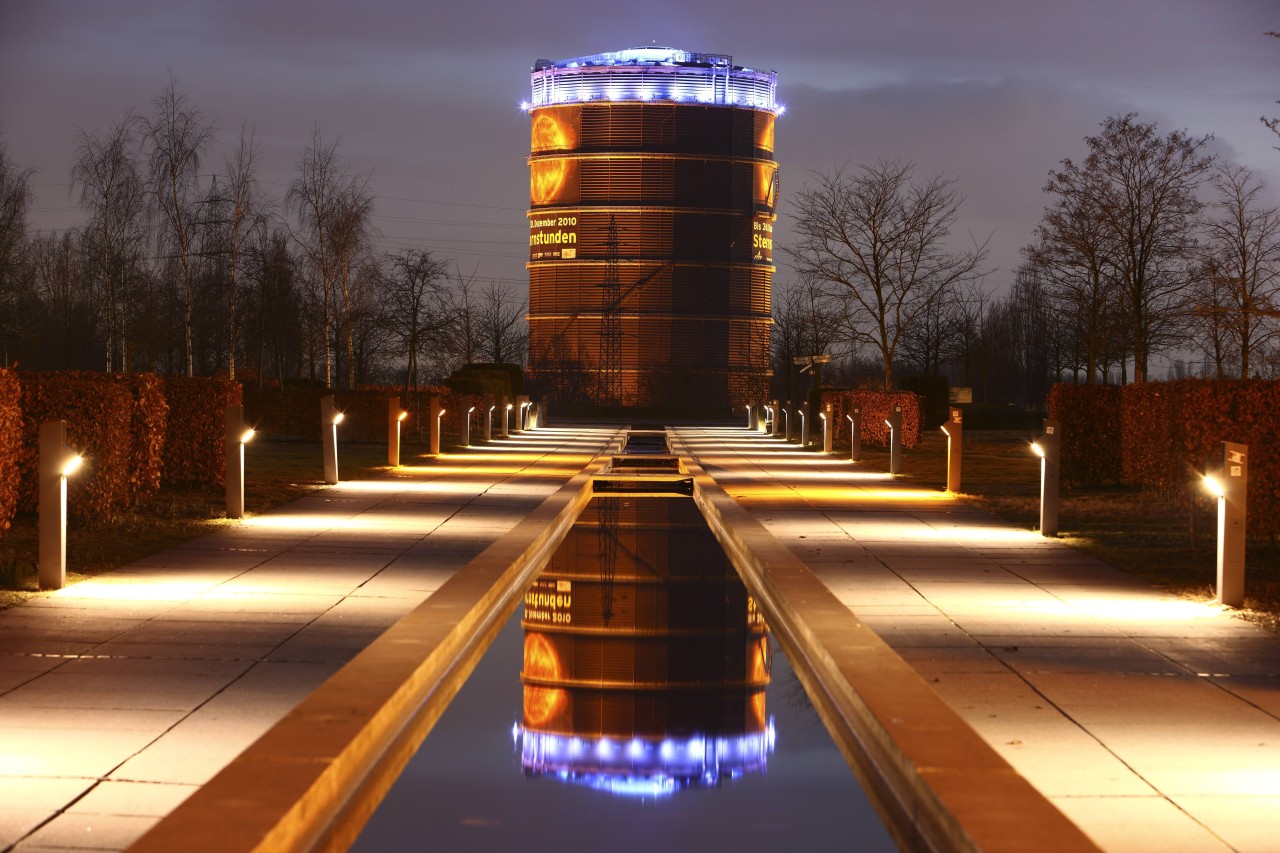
{"x":415,"y":306}
{"x":878,"y":242}
{"x":1272,"y":123}
{"x":177,"y":137}
{"x":1076,"y":252}
{"x":243,"y":210}
{"x":465,"y":334}
{"x":15,"y":198}
{"x":1144,"y":188}
{"x":112,"y":188}
{"x":334,"y":210}
{"x":502,"y":320}
{"x":805,"y":322}
{"x":1241,"y":265}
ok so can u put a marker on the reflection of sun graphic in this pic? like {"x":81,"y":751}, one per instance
{"x":546,"y":177}
{"x":541,"y":662}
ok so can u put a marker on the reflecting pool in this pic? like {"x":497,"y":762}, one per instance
{"x":635,"y":700}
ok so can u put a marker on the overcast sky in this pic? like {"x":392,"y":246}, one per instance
{"x":425,"y":95}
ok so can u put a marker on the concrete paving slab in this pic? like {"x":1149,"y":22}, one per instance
{"x":1111,"y":697}
{"x":148,"y":680}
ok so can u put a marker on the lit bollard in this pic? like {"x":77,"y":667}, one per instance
{"x":766,"y":425}
{"x":488,"y":424}
{"x":436,"y":412}
{"x":395,"y":417}
{"x":535,"y":415}
{"x":787,"y":418}
{"x":828,"y":427}
{"x":855,"y":434}
{"x":894,"y":422}
{"x":236,"y":434}
{"x":805,"y":420}
{"x":953,"y":429}
{"x":466,"y":427}
{"x":776,"y":419}
{"x":751,"y":417}
{"x":330,"y":417}
{"x":521,"y":402}
{"x":504,"y":407}
{"x":506,"y":419}
{"x":1049,"y":448}
{"x":56,"y":462}
{"x":1231,"y":484}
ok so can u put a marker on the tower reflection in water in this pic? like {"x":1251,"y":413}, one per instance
{"x":645,"y":660}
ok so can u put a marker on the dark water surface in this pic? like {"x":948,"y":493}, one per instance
{"x":634,"y":702}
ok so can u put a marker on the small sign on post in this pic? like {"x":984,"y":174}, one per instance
{"x":1048,"y":447}
{"x":954,"y":431}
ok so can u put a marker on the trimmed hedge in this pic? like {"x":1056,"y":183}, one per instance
{"x":876,"y":407}
{"x":10,"y":444}
{"x":1165,"y":434}
{"x":98,"y":412}
{"x":1090,"y":416}
{"x":193,"y":447}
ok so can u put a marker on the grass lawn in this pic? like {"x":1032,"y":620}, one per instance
{"x":1157,"y":537}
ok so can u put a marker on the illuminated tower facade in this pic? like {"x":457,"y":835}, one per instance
{"x":652,"y":196}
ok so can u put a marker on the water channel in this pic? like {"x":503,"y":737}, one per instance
{"x":636,"y":700}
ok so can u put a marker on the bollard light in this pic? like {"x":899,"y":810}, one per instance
{"x":894,"y":422}
{"x":435,"y":413}
{"x":777,"y":419}
{"x":395,"y":417}
{"x":488,"y":424}
{"x":804,"y":425}
{"x":506,"y":420}
{"x":855,"y":434}
{"x":786,"y":421}
{"x":330,"y":417}
{"x":56,"y":462}
{"x":953,"y":429}
{"x":828,"y":427}
{"x":236,"y":434}
{"x":1230,"y":484}
{"x":750,"y":421}
{"x":466,"y":428}
{"x":826,"y":433}
{"x":1048,"y":447}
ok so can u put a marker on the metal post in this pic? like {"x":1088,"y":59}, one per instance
{"x":488,"y":425}
{"x":395,"y":416}
{"x":954,"y":430}
{"x":504,"y":410}
{"x":894,"y":423}
{"x":777,"y":418}
{"x":828,"y":427}
{"x":855,"y":434}
{"x":236,"y":434}
{"x":1232,"y":486}
{"x":804,"y":424}
{"x":751,"y":417}
{"x":786,"y":417}
{"x":466,"y":427}
{"x":522,"y":403}
{"x":1048,"y":447}
{"x":434,"y":412}
{"x":330,"y":417}
{"x":56,"y":461}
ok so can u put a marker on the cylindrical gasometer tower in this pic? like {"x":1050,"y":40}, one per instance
{"x":653,"y":190}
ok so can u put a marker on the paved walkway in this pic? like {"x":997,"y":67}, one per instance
{"x":122,"y":694}
{"x":1151,"y":721}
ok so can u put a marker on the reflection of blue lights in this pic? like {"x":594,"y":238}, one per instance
{"x":644,"y":767}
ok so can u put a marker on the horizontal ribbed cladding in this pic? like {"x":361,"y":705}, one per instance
{"x":739,"y":291}
{"x":689,"y":186}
